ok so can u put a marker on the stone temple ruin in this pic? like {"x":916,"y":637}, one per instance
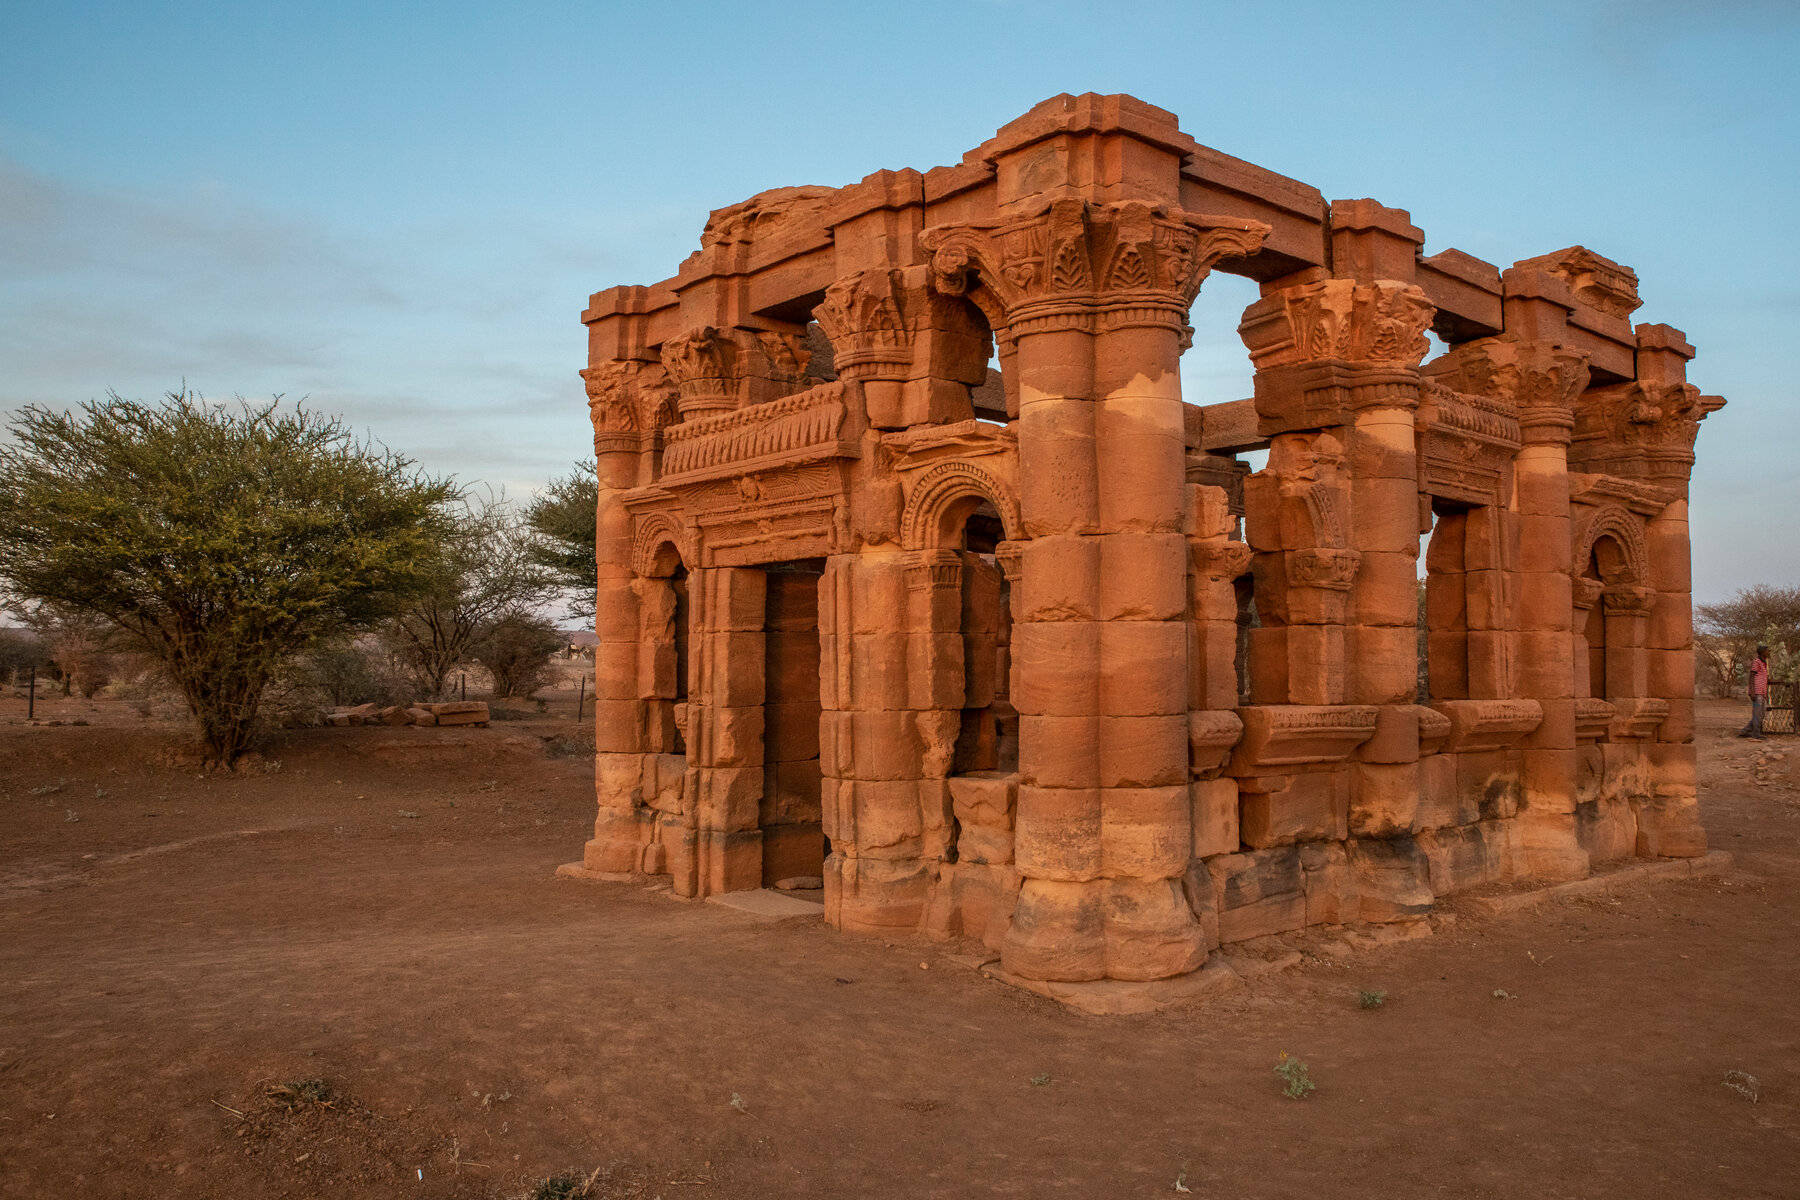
{"x":917,"y":572}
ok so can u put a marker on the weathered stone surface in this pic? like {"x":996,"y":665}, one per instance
{"x":984,"y":652}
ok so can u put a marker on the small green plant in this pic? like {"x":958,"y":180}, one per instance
{"x":1370,"y":999}
{"x":1040,"y":1079}
{"x":1297,"y":1081}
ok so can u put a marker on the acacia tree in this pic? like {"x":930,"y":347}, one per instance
{"x":516,"y":650}
{"x":1726,"y":635}
{"x":484,"y":571}
{"x":561,"y":520}
{"x":220,"y":541}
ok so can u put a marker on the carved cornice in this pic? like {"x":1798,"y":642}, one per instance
{"x":1593,"y":718}
{"x":1638,"y":717}
{"x":1488,"y":724}
{"x":716,"y":370}
{"x":1074,"y":263}
{"x":1466,"y":444}
{"x":1602,"y":284}
{"x":1633,"y":495}
{"x":1284,"y":735}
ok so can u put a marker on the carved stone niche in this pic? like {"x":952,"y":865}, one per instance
{"x":1287,"y":735}
{"x":1488,"y":724}
{"x":1323,"y":350}
{"x":718,"y":370}
{"x":915,"y":352}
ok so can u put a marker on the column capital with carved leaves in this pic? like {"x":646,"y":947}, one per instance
{"x":914,"y":351}
{"x":717,"y":369}
{"x":1540,"y":381}
{"x":1328,"y":348}
{"x":1086,"y":266}
{"x":627,"y":402}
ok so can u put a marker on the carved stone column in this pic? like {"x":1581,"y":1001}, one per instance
{"x":1337,"y":386}
{"x":889,"y":687}
{"x":1093,"y":299}
{"x":626,"y":400}
{"x":1584,"y":593}
{"x":1644,"y":431}
{"x":1547,"y":648}
{"x":725,"y":731}
{"x":1335,"y":521}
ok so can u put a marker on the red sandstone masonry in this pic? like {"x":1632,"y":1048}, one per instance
{"x":1086,"y":688}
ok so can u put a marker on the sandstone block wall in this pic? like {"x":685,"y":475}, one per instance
{"x":918,"y":571}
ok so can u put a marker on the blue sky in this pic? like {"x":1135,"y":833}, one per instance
{"x":399,"y":211}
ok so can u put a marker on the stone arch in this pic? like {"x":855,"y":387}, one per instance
{"x":1611,"y":523}
{"x":942,"y":499}
{"x":659,"y":547}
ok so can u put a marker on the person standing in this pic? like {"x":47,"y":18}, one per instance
{"x":1759,"y":694}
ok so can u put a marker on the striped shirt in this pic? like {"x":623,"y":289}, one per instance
{"x":1759,"y":677}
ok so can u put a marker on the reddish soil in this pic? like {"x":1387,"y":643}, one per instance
{"x":380,"y":913}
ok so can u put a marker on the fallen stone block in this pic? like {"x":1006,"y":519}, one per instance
{"x":460,"y":712}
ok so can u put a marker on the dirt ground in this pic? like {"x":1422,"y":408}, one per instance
{"x":376,"y":909}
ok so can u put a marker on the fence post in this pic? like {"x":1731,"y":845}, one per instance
{"x":31,"y":695}
{"x":580,"y":696}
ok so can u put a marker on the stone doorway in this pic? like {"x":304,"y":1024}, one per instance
{"x":793,"y":839}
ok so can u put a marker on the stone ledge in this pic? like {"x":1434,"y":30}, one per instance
{"x":768,"y":904}
{"x":575,"y":870}
{"x":1716,"y":862}
{"x":1119,"y":997}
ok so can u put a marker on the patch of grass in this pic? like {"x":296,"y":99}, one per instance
{"x":1297,"y":1081}
{"x":1371,"y":999}
{"x":1744,"y":1084}
{"x":566,"y":1186}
